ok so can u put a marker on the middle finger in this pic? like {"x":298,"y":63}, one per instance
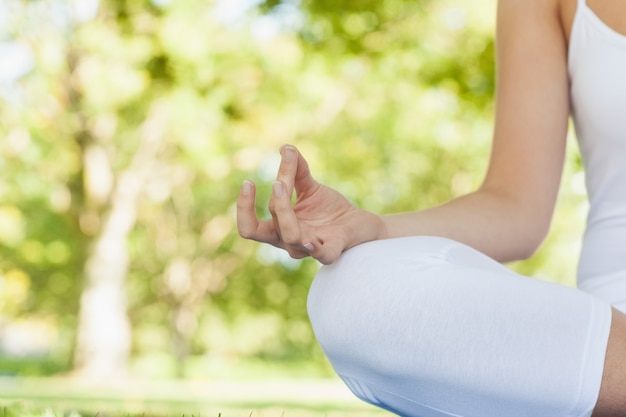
{"x":285,"y":220}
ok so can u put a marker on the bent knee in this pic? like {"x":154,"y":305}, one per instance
{"x":342,"y":305}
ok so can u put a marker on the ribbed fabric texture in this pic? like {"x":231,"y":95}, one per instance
{"x":597,"y":68}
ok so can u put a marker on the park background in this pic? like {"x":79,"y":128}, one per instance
{"x":126,"y":130}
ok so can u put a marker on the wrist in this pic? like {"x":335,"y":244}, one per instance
{"x":370,"y":227}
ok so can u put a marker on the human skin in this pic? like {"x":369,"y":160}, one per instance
{"x":508,"y":216}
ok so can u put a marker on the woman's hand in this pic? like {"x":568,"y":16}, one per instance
{"x":321,"y":224}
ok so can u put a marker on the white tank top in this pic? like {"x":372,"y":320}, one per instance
{"x":597,"y":70}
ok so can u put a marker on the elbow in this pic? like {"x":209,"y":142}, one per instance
{"x":526,"y":250}
{"x":529,"y":239}
{"x":525,"y":222}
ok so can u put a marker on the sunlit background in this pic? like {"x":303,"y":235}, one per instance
{"x":127,"y":127}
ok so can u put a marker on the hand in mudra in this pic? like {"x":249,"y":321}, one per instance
{"x":322,"y":223}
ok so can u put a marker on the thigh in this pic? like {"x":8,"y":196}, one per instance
{"x":428,"y":327}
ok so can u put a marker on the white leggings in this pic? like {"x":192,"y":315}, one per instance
{"x":425,"y":326}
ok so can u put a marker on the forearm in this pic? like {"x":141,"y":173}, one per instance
{"x":494,"y":225}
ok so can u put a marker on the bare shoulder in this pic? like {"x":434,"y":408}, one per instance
{"x":538,"y":24}
{"x":542,"y":12}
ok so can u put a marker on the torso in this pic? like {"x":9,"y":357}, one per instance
{"x":611,"y":12}
{"x":596,"y":62}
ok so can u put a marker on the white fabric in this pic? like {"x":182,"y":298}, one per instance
{"x":597,"y":68}
{"x":427,"y":327}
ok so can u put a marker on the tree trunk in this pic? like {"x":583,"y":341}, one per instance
{"x":104,"y":331}
{"x":104,"y":337}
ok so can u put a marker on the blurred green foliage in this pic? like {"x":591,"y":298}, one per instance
{"x":391,"y":101}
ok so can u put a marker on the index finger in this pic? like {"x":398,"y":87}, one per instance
{"x":248,"y":224}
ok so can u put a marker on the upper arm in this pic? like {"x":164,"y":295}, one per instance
{"x":532,"y":109}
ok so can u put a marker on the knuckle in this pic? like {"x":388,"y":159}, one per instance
{"x":273,"y":205}
{"x":245,"y":234}
{"x":287,"y":166}
{"x":277,"y":201}
{"x":291,"y":238}
{"x":296,"y":253}
{"x":242,"y":200}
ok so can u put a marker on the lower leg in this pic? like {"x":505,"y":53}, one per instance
{"x":612,"y":399}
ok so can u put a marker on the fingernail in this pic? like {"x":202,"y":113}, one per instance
{"x":246,"y":188}
{"x":309,"y":246}
{"x":278,"y":188}
{"x":288,"y":153}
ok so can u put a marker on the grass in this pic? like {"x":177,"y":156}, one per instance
{"x":24,"y":409}
{"x":59,"y":397}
